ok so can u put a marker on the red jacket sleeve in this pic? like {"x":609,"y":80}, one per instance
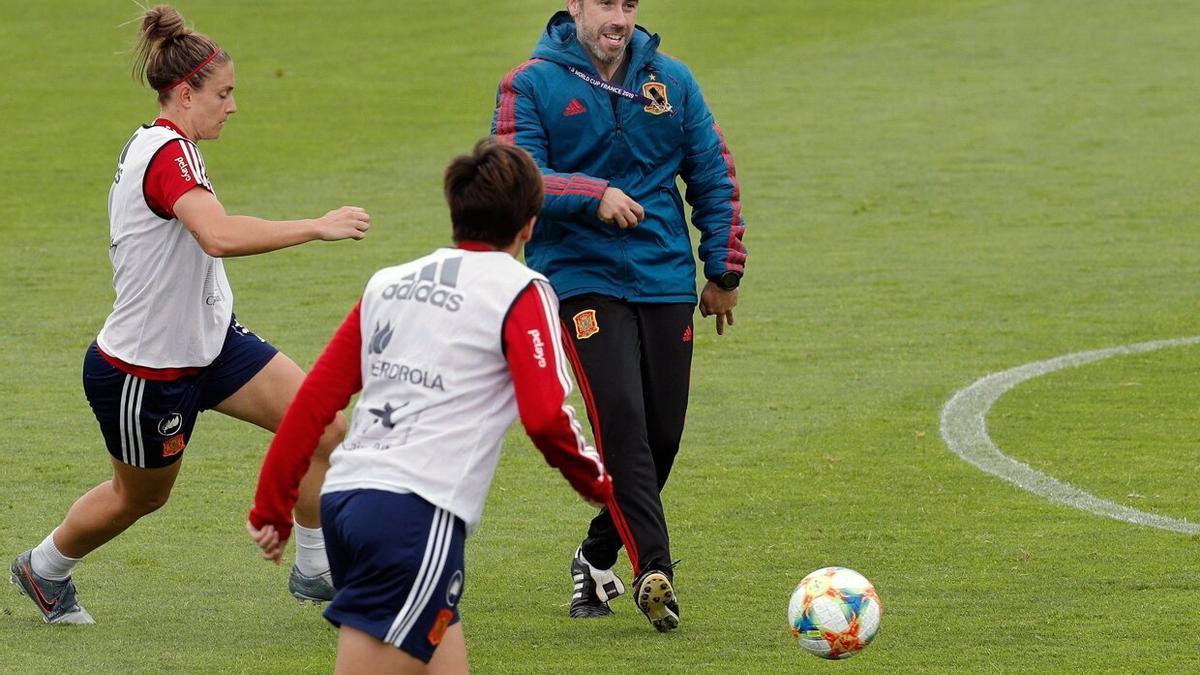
{"x":533,"y":344}
{"x":335,"y":377}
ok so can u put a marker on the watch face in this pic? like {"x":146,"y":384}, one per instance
{"x":729,"y":281}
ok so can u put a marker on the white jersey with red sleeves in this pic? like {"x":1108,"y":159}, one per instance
{"x":173,"y":303}
{"x":437,"y":391}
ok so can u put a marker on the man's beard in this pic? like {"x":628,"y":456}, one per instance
{"x":594,"y":45}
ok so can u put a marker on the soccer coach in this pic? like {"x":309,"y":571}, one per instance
{"x":612,"y":123}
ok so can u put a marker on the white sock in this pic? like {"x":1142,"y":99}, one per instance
{"x":310,"y":551}
{"x":49,"y":563}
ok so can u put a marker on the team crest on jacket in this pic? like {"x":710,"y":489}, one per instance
{"x":657,"y":92}
{"x":585,"y":324}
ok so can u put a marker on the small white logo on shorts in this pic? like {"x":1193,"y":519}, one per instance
{"x":170,"y":424}
{"x":454,"y":588}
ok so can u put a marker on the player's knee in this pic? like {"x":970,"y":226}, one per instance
{"x":139,"y":504}
{"x":142,"y":500}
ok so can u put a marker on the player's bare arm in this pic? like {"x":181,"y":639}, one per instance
{"x":224,"y":236}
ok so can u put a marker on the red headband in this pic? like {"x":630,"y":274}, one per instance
{"x":193,"y":71}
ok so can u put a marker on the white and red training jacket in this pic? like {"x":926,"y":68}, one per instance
{"x":446,"y":350}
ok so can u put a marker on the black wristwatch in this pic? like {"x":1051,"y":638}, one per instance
{"x":728,"y":281}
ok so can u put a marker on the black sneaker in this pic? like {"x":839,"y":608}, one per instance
{"x":55,"y":599}
{"x":593,"y":589}
{"x":656,"y":598}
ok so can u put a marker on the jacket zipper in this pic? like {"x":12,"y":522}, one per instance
{"x":621,"y":240}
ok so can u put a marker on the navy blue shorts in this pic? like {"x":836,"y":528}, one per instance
{"x":147,"y":423}
{"x":397,"y":564}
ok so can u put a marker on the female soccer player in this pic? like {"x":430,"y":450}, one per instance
{"x":446,"y":350}
{"x":172,"y":346}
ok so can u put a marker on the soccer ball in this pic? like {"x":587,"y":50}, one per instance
{"x":834,"y":613}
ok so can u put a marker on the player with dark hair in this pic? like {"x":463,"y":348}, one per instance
{"x":446,"y":350}
{"x":172,"y":346}
{"x":613,"y":122}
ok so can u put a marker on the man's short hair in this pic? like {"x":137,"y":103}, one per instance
{"x":492,"y":193}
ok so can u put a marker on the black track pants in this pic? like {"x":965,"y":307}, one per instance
{"x":633,"y":367}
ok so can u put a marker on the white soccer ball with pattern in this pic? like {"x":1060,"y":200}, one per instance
{"x":834,"y":613}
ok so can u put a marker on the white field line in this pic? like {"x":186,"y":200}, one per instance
{"x":964,"y":428}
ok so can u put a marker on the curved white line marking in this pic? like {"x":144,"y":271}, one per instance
{"x":964,"y":428}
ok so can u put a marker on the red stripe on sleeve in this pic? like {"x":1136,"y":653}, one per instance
{"x":506,"y":118}
{"x":566,"y":191}
{"x":533,"y":347}
{"x":578,"y":178}
{"x":575,"y":184}
{"x":594,"y":183}
{"x":736,"y":258}
{"x":335,"y":377}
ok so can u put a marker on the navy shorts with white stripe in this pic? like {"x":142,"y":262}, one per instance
{"x":147,"y":423}
{"x":397,"y":564}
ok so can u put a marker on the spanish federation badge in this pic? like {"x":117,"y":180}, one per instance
{"x":657,"y":93}
{"x":585,"y":324}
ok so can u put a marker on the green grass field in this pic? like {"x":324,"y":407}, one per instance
{"x":935,"y":190}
